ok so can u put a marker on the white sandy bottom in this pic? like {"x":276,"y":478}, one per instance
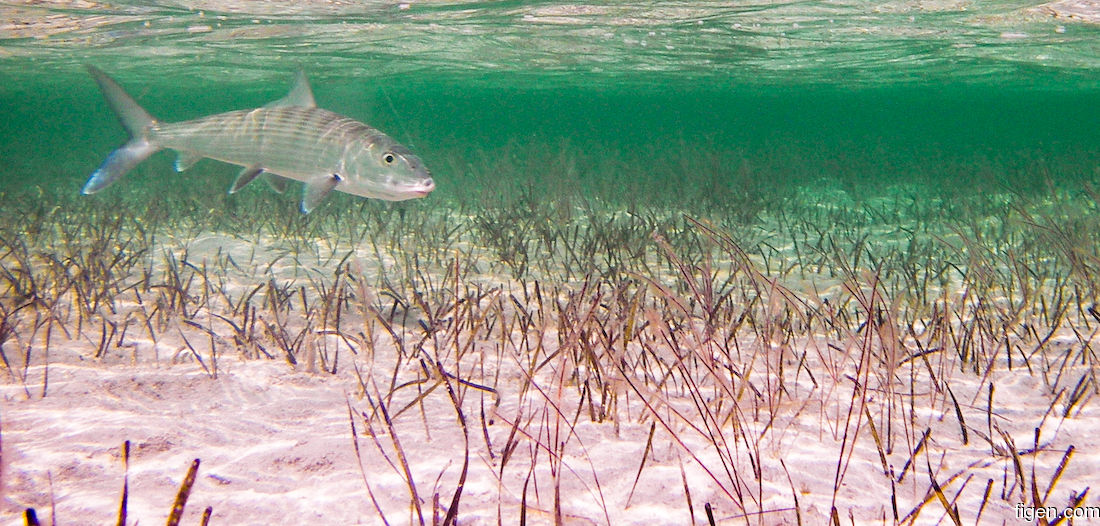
{"x":276,"y":445}
{"x":272,"y":444}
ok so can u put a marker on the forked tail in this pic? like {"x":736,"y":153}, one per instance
{"x":137,"y":123}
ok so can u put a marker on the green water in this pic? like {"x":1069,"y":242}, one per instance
{"x":862,"y":93}
{"x":657,"y":145}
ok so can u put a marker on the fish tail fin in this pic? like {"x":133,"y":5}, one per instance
{"x":137,"y":123}
{"x":118,"y":163}
{"x":133,"y":117}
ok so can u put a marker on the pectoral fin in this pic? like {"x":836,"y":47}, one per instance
{"x":316,"y":190}
{"x":246,"y":176}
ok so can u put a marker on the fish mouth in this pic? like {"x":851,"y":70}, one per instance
{"x":404,"y":192}
{"x":421,"y":190}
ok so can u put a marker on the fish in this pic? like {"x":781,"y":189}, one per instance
{"x":290,"y":139}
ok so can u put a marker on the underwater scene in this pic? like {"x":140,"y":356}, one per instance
{"x":762,"y":263}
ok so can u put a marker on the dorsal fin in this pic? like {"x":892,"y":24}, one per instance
{"x":300,"y":95}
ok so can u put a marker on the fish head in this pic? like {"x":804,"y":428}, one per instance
{"x":382,"y":169}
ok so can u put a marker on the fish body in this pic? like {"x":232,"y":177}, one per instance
{"x":288,"y":139}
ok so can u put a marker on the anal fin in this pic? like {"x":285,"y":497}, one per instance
{"x":186,"y":160}
{"x":246,"y":176}
{"x":277,"y":183}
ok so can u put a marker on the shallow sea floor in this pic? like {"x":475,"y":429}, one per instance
{"x":276,"y":443}
{"x":599,"y":364}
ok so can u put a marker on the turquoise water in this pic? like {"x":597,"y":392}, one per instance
{"x":862,"y":93}
{"x":646,"y":140}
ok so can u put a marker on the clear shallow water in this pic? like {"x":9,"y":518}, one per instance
{"x":899,"y":85}
{"x":655,"y":145}
{"x":941,"y":159}
{"x":550,"y":43}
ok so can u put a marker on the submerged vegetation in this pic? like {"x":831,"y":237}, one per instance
{"x":725,"y":301}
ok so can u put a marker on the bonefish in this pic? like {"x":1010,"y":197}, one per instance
{"x":289,"y":139}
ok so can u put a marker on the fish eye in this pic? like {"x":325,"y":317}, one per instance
{"x":388,"y":158}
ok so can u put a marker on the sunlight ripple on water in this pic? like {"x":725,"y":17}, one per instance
{"x":845,"y":41}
